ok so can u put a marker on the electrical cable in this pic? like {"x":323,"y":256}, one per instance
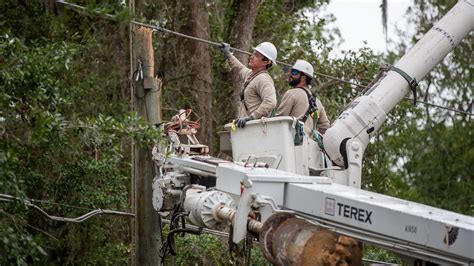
{"x":170,"y":237}
{"x":60,"y":204}
{"x":168,"y":245}
{"x":80,"y":219}
{"x":187,"y":229}
{"x":441,"y":107}
{"x":226,"y":235}
{"x":161,"y":29}
{"x":176,"y":125}
{"x":204,"y":230}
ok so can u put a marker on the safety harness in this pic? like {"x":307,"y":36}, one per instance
{"x":312,"y":111}
{"x":246,"y":83}
{"x":312,"y":108}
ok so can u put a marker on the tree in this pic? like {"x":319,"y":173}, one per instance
{"x":240,"y":36}
{"x":423,"y":151}
{"x":65,"y":125}
{"x":65,"y":122}
{"x":199,"y":59}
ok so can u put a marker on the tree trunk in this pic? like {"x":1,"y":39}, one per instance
{"x":199,"y":60}
{"x":240,"y":37}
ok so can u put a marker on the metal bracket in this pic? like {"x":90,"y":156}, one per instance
{"x":148,"y":83}
{"x":266,"y":206}
{"x":243,"y":210}
{"x":355,"y":151}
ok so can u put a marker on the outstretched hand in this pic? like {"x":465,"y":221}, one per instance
{"x":225,"y":48}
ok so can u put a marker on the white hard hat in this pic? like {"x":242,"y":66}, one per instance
{"x":305,"y":67}
{"x":268,"y":50}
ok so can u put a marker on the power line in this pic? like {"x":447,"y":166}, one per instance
{"x":80,"y":219}
{"x":161,"y":29}
{"x":441,"y":107}
{"x":27,"y":202}
{"x":60,"y":204}
{"x":204,"y":230}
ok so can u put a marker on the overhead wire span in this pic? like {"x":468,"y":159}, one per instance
{"x":161,"y":29}
{"x":441,"y":107}
{"x":10,"y":198}
{"x":59,"y":204}
{"x":28,"y":202}
{"x":80,"y":219}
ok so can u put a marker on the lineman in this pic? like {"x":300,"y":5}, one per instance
{"x":296,"y":100}
{"x":257,"y":96}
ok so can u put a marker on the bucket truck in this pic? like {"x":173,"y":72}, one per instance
{"x":306,"y":206}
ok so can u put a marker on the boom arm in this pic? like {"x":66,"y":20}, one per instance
{"x":367,"y":113}
{"x":269,"y":181}
{"x":407,"y":228}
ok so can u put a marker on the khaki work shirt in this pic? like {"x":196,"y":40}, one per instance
{"x":259,"y":96}
{"x":295,"y":103}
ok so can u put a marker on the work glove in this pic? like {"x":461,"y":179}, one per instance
{"x":225,"y":48}
{"x":242,"y":121}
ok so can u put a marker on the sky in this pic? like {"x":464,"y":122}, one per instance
{"x":361,"y":20}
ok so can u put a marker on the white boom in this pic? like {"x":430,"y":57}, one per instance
{"x":367,"y":113}
{"x":272,"y":177}
{"x":405,"y":227}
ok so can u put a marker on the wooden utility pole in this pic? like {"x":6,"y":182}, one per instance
{"x":146,"y":102}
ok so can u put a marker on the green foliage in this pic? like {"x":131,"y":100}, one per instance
{"x":374,"y":253}
{"x":423,"y":153}
{"x":434,"y":171}
{"x":16,"y":245}
{"x":66,"y":126}
{"x":65,"y":132}
{"x":207,"y":249}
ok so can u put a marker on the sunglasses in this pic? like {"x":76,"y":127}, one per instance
{"x":294,"y":72}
